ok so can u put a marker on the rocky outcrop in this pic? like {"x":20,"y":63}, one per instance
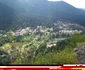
{"x":80,"y":53}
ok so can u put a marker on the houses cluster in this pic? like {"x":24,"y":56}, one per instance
{"x":43,"y":29}
{"x":51,"y":45}
{"x":59,"y":27}
{"x":21,"y":31}
{"x":70,"y":31}
{"x":29,"y":30}
{"x":69,"y":28}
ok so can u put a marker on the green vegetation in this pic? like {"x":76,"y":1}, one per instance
{"x":63,"y":55}
{"x":56,"y":58}
{"x":39,"y":49}
{"x":40,"y":36}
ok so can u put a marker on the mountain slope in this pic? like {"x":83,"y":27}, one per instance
{"x":68,"y":12}
{"x":6,"y":16}
{"x":42,"y":10}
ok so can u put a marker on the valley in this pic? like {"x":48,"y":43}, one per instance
{"x":41,"y":32}
{"x":23,"y":46}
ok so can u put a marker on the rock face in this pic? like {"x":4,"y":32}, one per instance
{"x":80,"y":52}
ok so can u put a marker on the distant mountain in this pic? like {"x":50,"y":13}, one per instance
{"x":68,"y":12}
{"x":39,"y":9}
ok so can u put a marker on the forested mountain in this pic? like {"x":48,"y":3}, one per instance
{"x":6,"y":16}
{"x":21,"y":13}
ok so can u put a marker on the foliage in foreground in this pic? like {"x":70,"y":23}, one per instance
{"x":54,"y":58}
{"x":61,"y":54}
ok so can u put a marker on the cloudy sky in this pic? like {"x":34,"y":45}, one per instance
{"x":76,"y":3}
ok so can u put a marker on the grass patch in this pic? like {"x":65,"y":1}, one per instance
{"x":17,"y":43}
{"x":80,"y":44}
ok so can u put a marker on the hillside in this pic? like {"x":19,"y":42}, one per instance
{"x":6,"y":16}
{"x":41,"y":32}
{"x":29,"y":12}
{"x":38,"y":49}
